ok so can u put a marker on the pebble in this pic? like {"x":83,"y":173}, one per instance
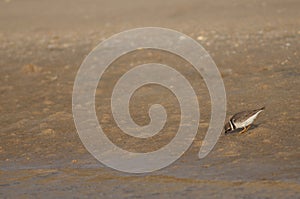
{"x":48,"y":102}
{"x":58,"y":47}
{"x":67,"y":67}
{"x":31,"y":68}
{"x":264,"y":86}
{"x":47,"y":132}
{"x":204,"y":125}
{"x":267,"y":141}
{"x":74,"y":161}
{"x":284,"y":62}
{"x":268,"y":68}
{"x":201,"y":38}
{"x":52,"y":78}
{"x":226,"y":72}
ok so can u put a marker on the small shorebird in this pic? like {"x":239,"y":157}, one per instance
{"x":243,"y":120}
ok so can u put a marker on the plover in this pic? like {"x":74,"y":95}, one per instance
{"x":243,"y":120}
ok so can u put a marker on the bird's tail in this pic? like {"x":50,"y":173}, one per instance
{"x":262,"y":108}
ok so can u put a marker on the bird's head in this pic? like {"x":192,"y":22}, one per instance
{"x":227,"y":127}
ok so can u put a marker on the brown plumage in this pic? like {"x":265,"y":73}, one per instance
{"x":242,"y":120}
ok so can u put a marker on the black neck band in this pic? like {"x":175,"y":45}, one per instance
{"x":234,"y":127}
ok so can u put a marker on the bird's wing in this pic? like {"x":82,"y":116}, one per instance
{"x":242,"y":116}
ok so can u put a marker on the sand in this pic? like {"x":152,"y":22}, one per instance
{"x":255,"y":46}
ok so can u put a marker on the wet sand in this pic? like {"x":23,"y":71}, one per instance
{"x":255,"y":45}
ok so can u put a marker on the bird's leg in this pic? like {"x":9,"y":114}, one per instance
{"x":245,"y":129}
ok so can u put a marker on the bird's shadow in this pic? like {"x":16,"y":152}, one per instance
{"x":253,"y":126}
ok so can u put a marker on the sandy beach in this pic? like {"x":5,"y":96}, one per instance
{"x":255,"y":45}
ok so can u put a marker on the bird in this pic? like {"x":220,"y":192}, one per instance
{"x":243,"y":120}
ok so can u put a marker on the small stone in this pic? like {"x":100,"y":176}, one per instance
{"x":226,"y":72}
{"x":267,"y":141}
{"x":30,"y":68}
{"x":204,"y":125}
{"x":201,"y":38}
{"x":48,"y":102}
{"x":74,"y":161}
{"x":60,"y":116}
{"x":270,"y":67}
{"x":52,"y":78}
{"x":284,"y":113}
{"x":36,"y":113}
{"x":284,"y":62}
{"x":264,"y":86}
{"x":65,"y":45}
{"x":55,"y":46}
{"x":47,"y":132}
